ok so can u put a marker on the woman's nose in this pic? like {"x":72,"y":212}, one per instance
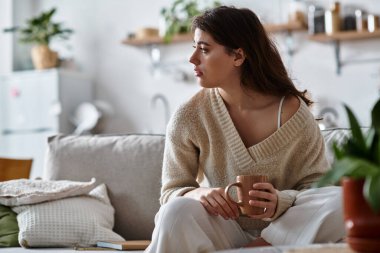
{"x":193,"y":59}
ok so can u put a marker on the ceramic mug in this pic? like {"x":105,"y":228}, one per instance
{"x":244,"y":184}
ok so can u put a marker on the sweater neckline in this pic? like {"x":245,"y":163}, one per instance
{"x":250,"y":156}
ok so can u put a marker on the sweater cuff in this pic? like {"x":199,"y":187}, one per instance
{"x":175,"y":193}
{"x":285,"y":199}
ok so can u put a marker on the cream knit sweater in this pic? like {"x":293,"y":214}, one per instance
{"x":201,"y":139}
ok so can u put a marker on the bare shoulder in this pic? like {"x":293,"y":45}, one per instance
{"x":289,"y":108}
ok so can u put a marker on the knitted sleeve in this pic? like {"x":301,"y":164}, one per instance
{"x":310,"y":149}
{"x":181,"y":155}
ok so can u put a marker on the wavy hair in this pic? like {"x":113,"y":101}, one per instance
{"x":263,"y":69}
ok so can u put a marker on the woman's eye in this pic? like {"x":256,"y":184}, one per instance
{"x":203,"y":50}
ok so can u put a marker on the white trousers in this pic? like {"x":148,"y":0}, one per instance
{"x":183,"y":225}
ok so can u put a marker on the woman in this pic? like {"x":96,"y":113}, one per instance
{"x":248,"y":119}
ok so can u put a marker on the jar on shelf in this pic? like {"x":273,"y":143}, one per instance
{"x":316,"y":19}
{"x":349,"y":19}
{"x":373,"y":22}
{"x":332,"y":19}
{"x":361,"y":20}
{"x":297,"y":10}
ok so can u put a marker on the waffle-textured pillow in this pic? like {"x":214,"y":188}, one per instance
{"x":81,"y":220}
{"x":28,"y":191}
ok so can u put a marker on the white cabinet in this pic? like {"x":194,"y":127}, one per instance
{"x":35,"y":105}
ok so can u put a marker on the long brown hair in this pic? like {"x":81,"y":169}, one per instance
{"x":263,"y":69}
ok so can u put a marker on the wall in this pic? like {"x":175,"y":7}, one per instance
{"x":6,"y":43}
{"x":124,"y":77}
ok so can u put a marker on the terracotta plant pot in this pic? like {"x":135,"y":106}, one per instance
{"x":362,"y":224}
{"x":43,"y":57}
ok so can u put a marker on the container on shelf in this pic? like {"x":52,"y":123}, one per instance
{"x":332,"y":19}
{"x":373,"y":22}
{"x":361,"y":20}
{"x":348,"y":18}
{"x":316,"y":19}
{"x":297,"y":12}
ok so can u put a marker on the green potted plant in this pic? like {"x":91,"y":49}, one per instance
{"x":357,"y":167}
{"x":40,"y":30}
{"x":178,"y":17}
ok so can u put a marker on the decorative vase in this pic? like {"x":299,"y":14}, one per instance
{"x":43,"y":57}
{"x":362,"y":224}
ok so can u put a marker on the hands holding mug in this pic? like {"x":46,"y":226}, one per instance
{"x":257,"y":198}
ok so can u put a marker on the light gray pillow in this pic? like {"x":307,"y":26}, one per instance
{"x":130,"y":166}
{"x":68,"y":222}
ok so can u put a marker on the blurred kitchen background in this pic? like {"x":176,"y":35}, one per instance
{"x":113,"y":80}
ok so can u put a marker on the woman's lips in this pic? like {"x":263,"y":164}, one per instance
{"x":198,"y":73}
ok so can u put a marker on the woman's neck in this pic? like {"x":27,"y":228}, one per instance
{"x":237,"y":98}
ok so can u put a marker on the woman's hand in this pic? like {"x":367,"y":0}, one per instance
{"x":215,"y":202}
{"x":268,"y":199}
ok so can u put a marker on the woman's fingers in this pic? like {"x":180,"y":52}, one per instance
{"x":227,"y":207}
{"x":209,"y":208}
{"x":216,"y":204}
{"x":264,"y":195}
{"x":264,"y":186}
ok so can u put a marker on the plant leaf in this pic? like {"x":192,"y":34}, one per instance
{"x":376,"y":116}
{"x":339,"y":153}
{"x":338,"y":170}
{"x":373,"y":142}
{"x":357,"y":134}
{"x":348,"y":166}
{"x":371,"y":192}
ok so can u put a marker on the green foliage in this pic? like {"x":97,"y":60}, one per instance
{"x":359,"y":157}
{"x":179,"y":15}
{"x":41,"y":29}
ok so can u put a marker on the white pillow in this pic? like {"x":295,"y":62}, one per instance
{"x":81,"y":220}
{"x":28,"y":191}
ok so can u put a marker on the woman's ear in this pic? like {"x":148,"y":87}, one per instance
{"x":239,"y":57}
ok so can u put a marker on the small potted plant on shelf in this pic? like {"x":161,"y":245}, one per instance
{"x":178,"y":17}
{"x":40,"y":30}
{"x":357,"y":167}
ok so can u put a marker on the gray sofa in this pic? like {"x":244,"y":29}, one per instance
{"x":130,"y":166}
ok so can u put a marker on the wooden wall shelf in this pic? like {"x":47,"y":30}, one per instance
{"x":157,"y":40}
{"x":345,"y":36}
{"x":339,"y":37}
{"x":286,"y":27}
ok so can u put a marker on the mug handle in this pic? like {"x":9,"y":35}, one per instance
{"x":226,"y":191}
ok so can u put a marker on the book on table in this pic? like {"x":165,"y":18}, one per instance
{"x":124,"y":245}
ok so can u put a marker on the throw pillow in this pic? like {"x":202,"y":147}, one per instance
{"x":27,"y":191}
{"x":74,"y":221}
{"x":8,"y":227}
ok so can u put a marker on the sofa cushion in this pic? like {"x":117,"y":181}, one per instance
{"x":130,"y":166}
{"x":81,"y":220}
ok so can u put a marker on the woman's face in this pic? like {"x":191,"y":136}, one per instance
{"x":213,"y":66}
